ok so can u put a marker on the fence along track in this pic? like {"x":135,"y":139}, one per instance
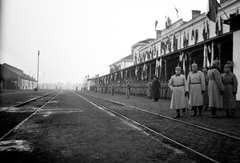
{"x":19,"y":124}
{"x":173,"y":119}
{"x":107,"y":109}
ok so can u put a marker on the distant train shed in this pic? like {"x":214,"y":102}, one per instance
{"x":13,"y":78}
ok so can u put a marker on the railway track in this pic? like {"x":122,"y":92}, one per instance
{"x":14,"y":116}
{"x":209,"y":144}
{"x":170,"y":118}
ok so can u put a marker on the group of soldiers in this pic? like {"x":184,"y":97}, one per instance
{"x":142,"y":88}
{"x":204,"y":89}
{"x":199,"y":91}
{"x":164,"y":91}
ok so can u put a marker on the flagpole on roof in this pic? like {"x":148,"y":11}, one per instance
{"x":223,"y":10}
{"x":38,"y":69}
{"x":212,"y":10}
{"x":156,"y":22}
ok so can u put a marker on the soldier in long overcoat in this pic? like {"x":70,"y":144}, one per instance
{"x":205,"y":94}
{"x":165,"y":89}
{"x":230,"y":83}
{"x":128,"y":87}
{"x":178,"y":85}
{"x":169,"y":92}
{"x":112,"y":89}
{"x":155,"y":89}
{"x":215,"y":88}
{"x":149,"y":93}
{"x":196,"y":88}
{"x":161,"y":89}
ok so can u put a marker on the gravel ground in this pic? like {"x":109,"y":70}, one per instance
{"x":72,"y":130}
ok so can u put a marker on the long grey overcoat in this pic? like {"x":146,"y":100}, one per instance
{"x":230,"y":86}
{"x":215,"y":86}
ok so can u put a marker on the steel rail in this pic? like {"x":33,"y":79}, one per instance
{"x":19,"y":124}
{"x":28,"y":101}
{"x":160,"y":115}
{"x":31,"y":100}
{"x":102,"y":107}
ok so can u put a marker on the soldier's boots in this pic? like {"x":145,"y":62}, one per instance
{"x":184,"y":113}
{"x":194,"y":108}
{"x":200,"y":108}
{"x":230,"y":113}
{"x":227,"y":113}
{"x":233,"y":113}
{"x":178,"y":113}
{"x":214,"y":112}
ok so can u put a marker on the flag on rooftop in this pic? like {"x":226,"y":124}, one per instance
{"x":176,"y":10}
{"x":156,"y":22}
{"x":212,"y":10}
{"x":168,"y":21}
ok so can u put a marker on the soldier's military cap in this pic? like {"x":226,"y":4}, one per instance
{"x":228,"y":64}
{"x":178,"y":67}
{"x":194,"y":65}
{"x":215,"y":62}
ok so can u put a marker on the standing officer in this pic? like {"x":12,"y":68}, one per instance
{"x":196,"y":88}
{"x":149,"y":93}
{"x":161,"y":89}
{"x":128,"y":87}
{"x":205,"y":94}
{"x":230,"y":85}
{"x":95,"y":88}
{"x":112,"y":89}
{"x":179,"y":98}
{"x":215,"y":88}
{"x":155,"y":89}
{"x":165,"y":89}
{"x":169,"y":92}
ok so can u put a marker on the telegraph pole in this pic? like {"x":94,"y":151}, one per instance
{"x":38,"y":69}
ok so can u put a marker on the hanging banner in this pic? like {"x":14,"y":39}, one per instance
{"x":115,"y":79}
{"x":136,"y":72}
{"x":156,"y":68}
{"x":126,"y":71}
{"x":145,"y":71}
{"x":212,"y":53}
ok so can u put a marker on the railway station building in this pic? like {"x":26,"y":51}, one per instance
{"x":14,"y":78}
{"x":199,"y":40}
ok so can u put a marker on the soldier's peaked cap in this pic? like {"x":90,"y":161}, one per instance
{"x":194,"y":64}
{"x":228,"y":64}
{"x":216,"y":62}
{"x":178,"y":67}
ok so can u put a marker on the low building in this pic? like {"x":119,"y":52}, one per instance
{"x":14,"y":78}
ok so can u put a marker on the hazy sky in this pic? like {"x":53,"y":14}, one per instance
{"x":80,"y":37}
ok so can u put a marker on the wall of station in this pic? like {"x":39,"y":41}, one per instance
{"x":183,"y":34}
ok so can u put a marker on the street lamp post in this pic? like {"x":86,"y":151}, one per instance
{"x":38,"y":69}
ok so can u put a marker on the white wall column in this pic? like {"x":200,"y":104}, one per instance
{"x":236,"y":58}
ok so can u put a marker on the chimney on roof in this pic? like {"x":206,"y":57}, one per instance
{"x":195,"y":13}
